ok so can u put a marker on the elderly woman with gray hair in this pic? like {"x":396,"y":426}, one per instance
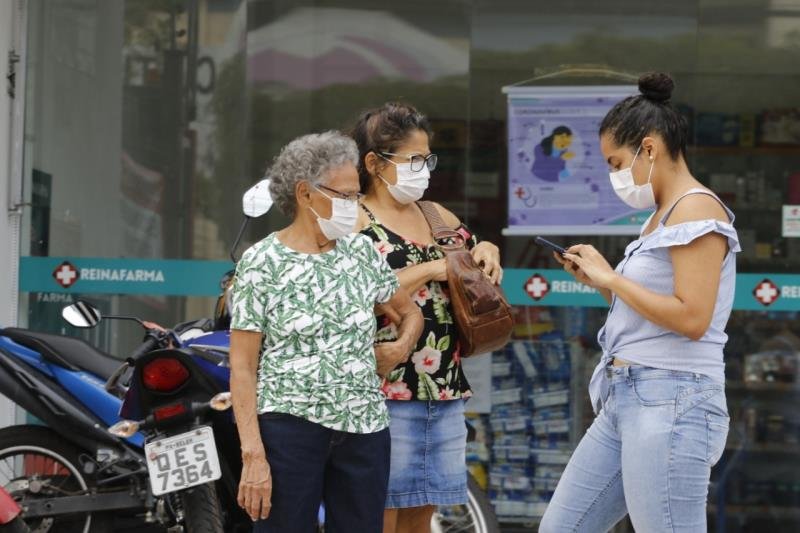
{"x":304,"y":363}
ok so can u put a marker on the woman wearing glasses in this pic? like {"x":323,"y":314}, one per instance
{"x":309,"y":410}
{"x":426,"y":394}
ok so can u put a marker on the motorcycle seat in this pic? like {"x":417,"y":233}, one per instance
{"x":69,"y":352}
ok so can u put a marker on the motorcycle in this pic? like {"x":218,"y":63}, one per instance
{"x":70,"y":475}
{"x":177,"y":399}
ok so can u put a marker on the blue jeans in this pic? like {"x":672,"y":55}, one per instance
{"x":648,"y":454}
{"x":311,"y":464}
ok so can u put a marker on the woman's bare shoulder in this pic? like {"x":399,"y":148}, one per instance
{"x":696,"y":207}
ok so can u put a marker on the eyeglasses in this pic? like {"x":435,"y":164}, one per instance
{"x":418,"y":162}
{"x":350,"y":197}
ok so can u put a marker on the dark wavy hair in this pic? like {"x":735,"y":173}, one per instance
{"x":383,"y":129}
{"x":547,"y":142}
{"x":636,"y":117}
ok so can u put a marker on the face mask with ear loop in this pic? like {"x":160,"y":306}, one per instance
{"x":344,"y":215}
{"x":636,"y":196}
{"x":410,"y":185}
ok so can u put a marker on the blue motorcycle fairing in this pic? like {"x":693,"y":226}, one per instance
{"x":85,"y":387}
{"x":213,"y":338}
{"x":222,"y":339}
{"x":30,"y":357}
{"x":90,"y":391}
{"x":220,"y":374}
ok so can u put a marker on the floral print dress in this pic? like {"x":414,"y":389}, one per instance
{"x":433,"y":372}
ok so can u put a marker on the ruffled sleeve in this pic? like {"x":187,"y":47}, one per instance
{"x":686,"y":232}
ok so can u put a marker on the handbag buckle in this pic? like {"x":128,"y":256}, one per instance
{"x":450,"y":235}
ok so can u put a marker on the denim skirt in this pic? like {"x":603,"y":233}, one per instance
{"x":428,"y":453}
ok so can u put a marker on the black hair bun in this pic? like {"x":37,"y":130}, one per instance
{"x":656,"y":86}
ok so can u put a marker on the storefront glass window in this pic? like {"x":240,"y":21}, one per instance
{"x":147,"y":119}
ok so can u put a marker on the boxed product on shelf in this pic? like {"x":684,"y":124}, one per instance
{"x":510,"y":477}
{"x":501,"y":368}
{"x":531,"y":424}
{"x":551,"y":457}
{"x":552,"y":426}
{"x":717,"y":129}
{"x":509,"y":419}
{"x":771,"y":366}
{"x":547,"y":484}
{"x":550,"y":413}
{"x":553,"y":441}
{"x":543,"y":360}
{"x":550,"y":471}
{"x":780,"y":127}
{"x":510,"y":509}
{"x":547,"y":399}
{"x":512,"y":448}
{"x":506,"y":396}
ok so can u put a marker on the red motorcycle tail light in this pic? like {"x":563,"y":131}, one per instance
{"x":164,"y":374}
{"x":162,"y":413}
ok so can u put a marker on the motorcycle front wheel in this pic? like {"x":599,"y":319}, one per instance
{"x":35,"y":463}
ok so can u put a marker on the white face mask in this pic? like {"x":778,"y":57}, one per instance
{"x":636,"y":196}
{"x":344,"y":214}
{"x":410,"y":185}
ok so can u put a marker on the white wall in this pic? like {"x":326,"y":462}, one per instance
{"x":9,"y":222}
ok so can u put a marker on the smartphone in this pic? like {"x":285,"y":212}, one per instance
{"x":553,"y":246}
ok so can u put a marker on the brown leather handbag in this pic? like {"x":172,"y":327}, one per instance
{"x":480,"y":309}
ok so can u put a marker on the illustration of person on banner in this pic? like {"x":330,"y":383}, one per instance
{"x":551,"y":155}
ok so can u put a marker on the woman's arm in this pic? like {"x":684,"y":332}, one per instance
{"x":255,"y":487}
{"x":688,"y":311}
{"x":484,"y":253}
{"x":390,"y":354}
{"x":412,"y":278}
{"x":690,"y":308}
{"x":697,"y":268}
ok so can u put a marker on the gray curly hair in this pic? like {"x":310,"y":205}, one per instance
{"x":309,"y":158}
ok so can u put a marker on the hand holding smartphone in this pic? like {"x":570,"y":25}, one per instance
{"x":553,"y":246}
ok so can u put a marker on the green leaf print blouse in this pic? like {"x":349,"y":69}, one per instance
{"x":316,"y":314}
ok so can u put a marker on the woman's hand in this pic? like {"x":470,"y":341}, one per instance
{"x":389,"y":355}
{"x":255,"y":487}
{"x":592,"y":265}
{"x":574,"y":270}
{"x":487,"y":256}
{"x":389,"y":312}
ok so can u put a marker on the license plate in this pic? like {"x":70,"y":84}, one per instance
{"x":182,"y":461}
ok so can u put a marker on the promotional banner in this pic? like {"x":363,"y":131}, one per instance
{"x":550,"y":287}
{"x":558,"y":178}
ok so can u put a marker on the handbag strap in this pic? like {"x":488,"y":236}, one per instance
{"x":441,"y":232}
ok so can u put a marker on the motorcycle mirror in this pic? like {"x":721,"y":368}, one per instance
{"x":81,"y":314}
{"x":257,"y":200}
